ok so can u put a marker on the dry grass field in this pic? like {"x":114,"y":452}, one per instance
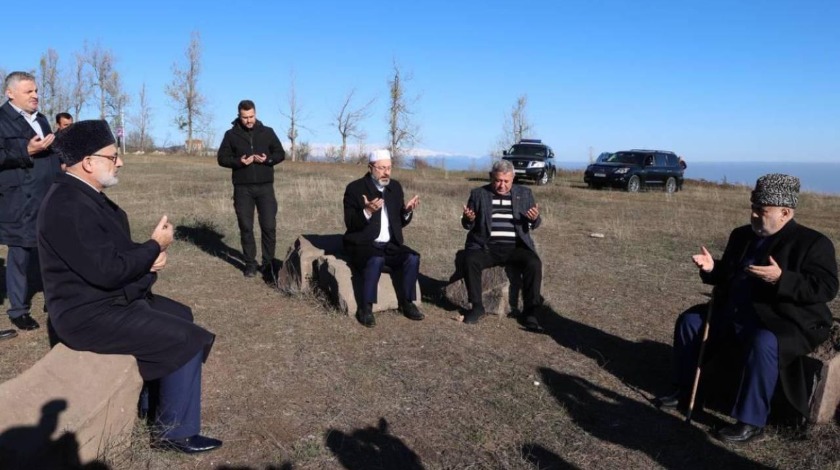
{"x":293,"y":385}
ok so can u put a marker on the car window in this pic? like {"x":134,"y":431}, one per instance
{"x":661,"y":160}
{"x":630,"y":158}
{"x":672,"y":159}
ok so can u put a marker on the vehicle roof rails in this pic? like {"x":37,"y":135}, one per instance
{"x":530,"y":141}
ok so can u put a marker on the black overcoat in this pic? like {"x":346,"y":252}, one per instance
{"x":361,"y":232}
{"x":795,"y":309}
{"x":24,"y":180}
{"x":97,"y":284}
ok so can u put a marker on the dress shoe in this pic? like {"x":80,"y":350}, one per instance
{"x":668,"y":401}
{"x":412,"y":312}
{"x":188,"y":445}
{"x":25,"y":322}
{"x":531,"y":324}
{"x":7,"y":334}
{"x":739,"y":433}
{"x":250,"y":270}
{"x":365,"y":316}
{"x":474,"y":315}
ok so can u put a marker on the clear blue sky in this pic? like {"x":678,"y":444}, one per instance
{"x":711,"y":80}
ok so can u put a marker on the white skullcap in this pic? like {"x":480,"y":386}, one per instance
{"x":380,"y":154}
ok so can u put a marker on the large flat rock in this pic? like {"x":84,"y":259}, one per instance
{"x":824,"y":364}
{"x":317,"y":261}
{"x":343,"y":286}
{"x":69,"y":407}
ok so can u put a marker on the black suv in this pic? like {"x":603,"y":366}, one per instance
{"x":636,"y":169}
{"x":531,"y":160}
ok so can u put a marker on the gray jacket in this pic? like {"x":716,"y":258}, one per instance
{"x":481,"y":202}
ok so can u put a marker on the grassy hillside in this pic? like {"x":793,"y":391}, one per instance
{"x":291,"y":382}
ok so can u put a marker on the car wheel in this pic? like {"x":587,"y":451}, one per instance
{"x":633,"y":184}
{"x":670,"y":185}
{"x":543,"y":179}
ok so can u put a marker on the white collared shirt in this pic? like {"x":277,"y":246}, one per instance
{"x":32,"y":119}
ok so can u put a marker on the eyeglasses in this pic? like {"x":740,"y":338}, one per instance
{"x":381,"y":168}
{"x":113,"y":157}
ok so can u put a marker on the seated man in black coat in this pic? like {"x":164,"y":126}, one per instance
{"x":375,"y":213}
{"x":772,"y":287}
{"x":98,"y":284}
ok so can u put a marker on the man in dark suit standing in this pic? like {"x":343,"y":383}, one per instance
{"x":27,"y":169}
{"x":251,"y":150}
{"x":500,"y":217}
{"x":98,"y":284}
{"x":375,"y":212}
{"x":772,"y":287}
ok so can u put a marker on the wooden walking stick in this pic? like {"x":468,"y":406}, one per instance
{"x":696,"y":383}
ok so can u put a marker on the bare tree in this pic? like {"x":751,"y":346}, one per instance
{"x":53,"y":95}
{"x":402,"y":132}
{"x":293,"y":116}
{"x":80,"y":85}
{"x":184,"y":93}
{"x":101,"y":62}
{"x":304,"y":151}
{"x":348,"y":122}
{"x":142,"y":120}
{"x":116,"y":100}
{"x":517,"y":125}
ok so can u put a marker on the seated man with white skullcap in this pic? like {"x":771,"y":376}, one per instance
{"x":375,"y":212}
{"x":771,"y":290}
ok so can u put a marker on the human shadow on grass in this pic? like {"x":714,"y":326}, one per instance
{"x":616,"y":419}
{"x":372,"y":448}
{"x":209,"y":240}
{"x":29,"y":447}
{"x":283,"y":466}
{"x":544,"y":459}
{"x":643,"y":365}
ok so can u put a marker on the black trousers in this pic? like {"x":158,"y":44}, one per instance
{"x":526,"y":260}
{"x":247,"y":197}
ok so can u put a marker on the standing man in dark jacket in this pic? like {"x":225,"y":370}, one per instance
{"x":375,"y":213}
{"x":772,"y":287}
{"x":251,"y":150}
{"x":27,"y":169}
{"x":500,"y":217}
{"x":98,"y":283}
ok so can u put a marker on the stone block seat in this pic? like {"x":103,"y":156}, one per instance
{"x":501,"y":288}
{"x":319,"y":261}
{"x":70,"y":407}
{"x":822,"y":374}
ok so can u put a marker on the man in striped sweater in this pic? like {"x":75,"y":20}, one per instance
{"x":500,"y":217}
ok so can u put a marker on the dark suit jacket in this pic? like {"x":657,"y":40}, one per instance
{"x":24,"y":180}
{"x":481,"y":202}
{"x":97,"y":283}
{"x":795,"y":309}
{"x":361,"y":232}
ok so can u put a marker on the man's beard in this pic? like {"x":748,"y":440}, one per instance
{"x":108,"y":180}
{"x":384,"y":181}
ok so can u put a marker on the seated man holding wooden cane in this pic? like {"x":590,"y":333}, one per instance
{"x":772,"y":286}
